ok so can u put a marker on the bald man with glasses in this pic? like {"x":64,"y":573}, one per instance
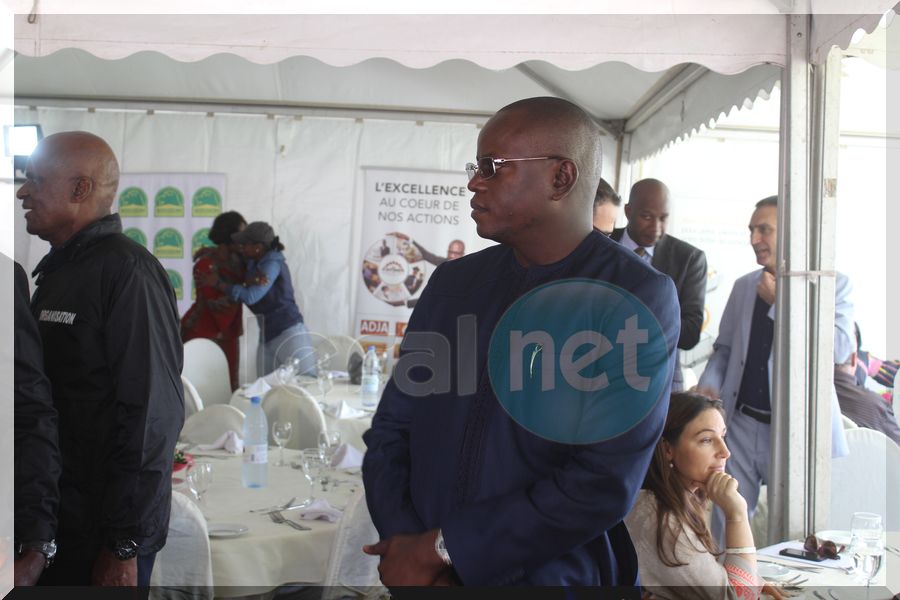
{"x":459,"y":490}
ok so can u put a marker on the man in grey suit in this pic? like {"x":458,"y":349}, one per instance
{"x":739,"y":372}
{"x":648,"y":213}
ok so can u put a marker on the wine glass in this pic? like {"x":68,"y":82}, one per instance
{"x":325,"y":381}
{"x":866,"y":545}
{"x":199,"y":478}
{"x":328,"y":445}
{"x":281,"y":431}
{"x":312,"y":469}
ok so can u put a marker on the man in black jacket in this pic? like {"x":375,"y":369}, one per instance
{"x":648,"y":213}
{"x":36,"y":446}
{"x":109,"y":324}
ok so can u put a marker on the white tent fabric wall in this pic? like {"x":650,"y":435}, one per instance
{"x":300,"y":175}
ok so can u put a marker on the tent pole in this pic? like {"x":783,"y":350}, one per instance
{"x":824,"y":146}
{"x":788,"y":484}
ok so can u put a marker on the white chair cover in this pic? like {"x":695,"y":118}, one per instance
{"x":206,"y":367}
{"x":868,"y":480}
{"x":209,"y":424}
{"x":293,"y":403}
{"x":192,"y":402}
{"x":848,"y":422}
{"x":183,"y":568}
{"x":346,"y":346}
{"x":351,"y":572}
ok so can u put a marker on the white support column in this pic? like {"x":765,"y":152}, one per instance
{"x":788,"y":476}
{"x":825,"y":135}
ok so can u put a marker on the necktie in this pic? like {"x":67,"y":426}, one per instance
{"x":640,"y":251}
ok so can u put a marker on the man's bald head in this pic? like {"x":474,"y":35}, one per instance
{"x":71,"y":181}
{"x":647,"y":211}
{"x":83,"y":154}
{"x":537,"y":195}
{"x":563,"y":129}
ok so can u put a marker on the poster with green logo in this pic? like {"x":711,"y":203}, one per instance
{"x":169,"y":229}
{"x":137,"y":235}
{"x":207,"y":202}
{"x":201,"y":240}
{"x":177,"y":283}
{"x":133,"y":202}
{"x":168,"y":243}
{"x":169,"y":202}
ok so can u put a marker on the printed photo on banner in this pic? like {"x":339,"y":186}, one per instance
{"x":412,"y":222}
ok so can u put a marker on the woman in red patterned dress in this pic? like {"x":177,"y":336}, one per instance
{"x":213,"y":315}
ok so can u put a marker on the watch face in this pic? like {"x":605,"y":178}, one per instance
{"x":125,"y":549}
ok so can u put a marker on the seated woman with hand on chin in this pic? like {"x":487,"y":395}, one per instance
{"x":677,"y":556}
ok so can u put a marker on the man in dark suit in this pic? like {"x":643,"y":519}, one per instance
{"x":648,"y":212}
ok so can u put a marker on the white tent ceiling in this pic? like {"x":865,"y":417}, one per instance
{"x":656,"y":76}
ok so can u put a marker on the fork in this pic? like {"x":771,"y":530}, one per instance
{"x":277,"y":517}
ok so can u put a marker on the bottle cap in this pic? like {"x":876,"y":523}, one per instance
{"x":255,"y":400}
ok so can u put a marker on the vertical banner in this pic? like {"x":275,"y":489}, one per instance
{"x":412,"y":221}
{"x":170,"y":214}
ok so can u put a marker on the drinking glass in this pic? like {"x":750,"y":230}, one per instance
{"x":866,"y":545}
{"x":199,"y":478}
{"x":325,"y":380}
{"x":328,"y":445}
{"x":312,"y":469}
{"x":281,"y":431}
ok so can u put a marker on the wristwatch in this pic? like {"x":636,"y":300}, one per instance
{"x":441,"y":548}
{"x":124,"y":549}
{"x":48,"y":549}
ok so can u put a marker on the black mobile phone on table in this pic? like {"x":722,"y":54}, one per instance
{"x":800,"y":553}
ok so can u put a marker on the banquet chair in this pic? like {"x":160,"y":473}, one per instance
{"x":206,"y":367}
{"x":293,"y":403}
{"x":208,"y":425}
{"x":351,"y":573}
{"x":346,"y":346}
{"x":183,"y":568}
{"x":192,"y":402}
{"x":848,"y":422}
{"x":868,"y":480}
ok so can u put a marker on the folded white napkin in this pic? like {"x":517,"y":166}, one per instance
{"x":258,"y":387}
{"x":346,"y":457}
{"x":320,"y":509}
{"x":229,"y":440}
{"x":343,"y":411}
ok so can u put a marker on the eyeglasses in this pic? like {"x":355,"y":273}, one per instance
{"x":824,"y":548}
{"x":487,"y":166}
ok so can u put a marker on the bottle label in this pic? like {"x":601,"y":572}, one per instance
{"x":256,"y":454}
{"x":369,"y":384}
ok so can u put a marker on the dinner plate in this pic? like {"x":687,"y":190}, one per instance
{"x":772,"y":571}
{"x":226,"y":530}
{"x":837,"y":536}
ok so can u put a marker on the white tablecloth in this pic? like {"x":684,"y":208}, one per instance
{"x":351,"y":429}
{"x":268,"y":555}
{"x":842,"y":585}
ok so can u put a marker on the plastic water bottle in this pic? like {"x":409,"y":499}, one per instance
{"x":256,"y":447}
{"x":371,"y":379}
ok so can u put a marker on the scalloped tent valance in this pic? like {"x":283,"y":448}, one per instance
{"x":577,"y":56}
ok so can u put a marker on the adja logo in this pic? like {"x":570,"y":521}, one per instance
{"x":373,"y":327}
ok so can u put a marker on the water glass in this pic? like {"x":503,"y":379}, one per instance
{"x":199,"y":478}
{"x":866,"y":545}
{"x":325,"y":381}
{"x":328,"y":444}
{"x":281,"y":431}
{"x":311,"y":463}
